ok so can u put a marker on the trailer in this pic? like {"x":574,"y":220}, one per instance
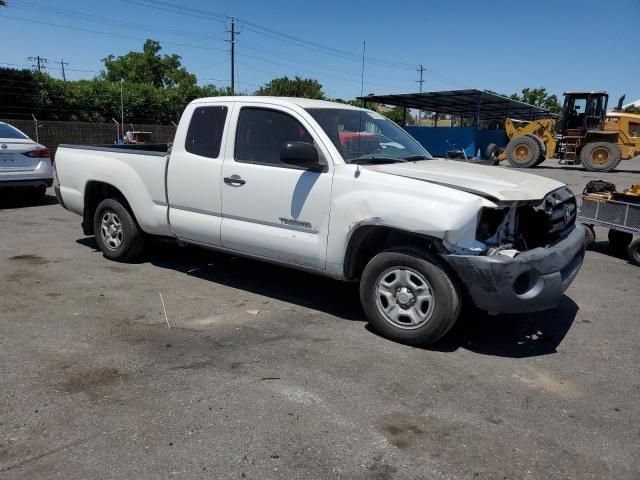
{"x":620,"y":213}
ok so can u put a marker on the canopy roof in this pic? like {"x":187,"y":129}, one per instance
{"x":469,"y":103}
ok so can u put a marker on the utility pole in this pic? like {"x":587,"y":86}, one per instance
{"x":420,"y":70}
{"x":233,"y":33}
{"x":62,"y":64}
{"x":40,"y":62}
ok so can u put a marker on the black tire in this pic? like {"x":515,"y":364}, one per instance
{"x":600,"y":156}
{"x":523,"y":151}
{"x":131,"y":237}
{"x":543,"y":149}
{"x":491,"y":151}
{"x":441,"y":312}
{"x":634,"y":252}
{"x":619,"y":241}
{"x":590,"y":236}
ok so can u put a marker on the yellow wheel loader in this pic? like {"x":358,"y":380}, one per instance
{"x":584,"y":133}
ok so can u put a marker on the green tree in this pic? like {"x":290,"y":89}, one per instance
{"x":632,"y":109}
{"x":292,"y":87}
{"x":148,"y":67}
{"x":539,"y":98}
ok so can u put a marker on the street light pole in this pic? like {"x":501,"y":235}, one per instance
{"x":122,"y":107}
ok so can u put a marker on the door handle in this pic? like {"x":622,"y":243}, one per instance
{"x":234,"y":180}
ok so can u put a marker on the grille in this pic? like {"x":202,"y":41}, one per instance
{"x":561,"y":209}
{"x":611,"y":213}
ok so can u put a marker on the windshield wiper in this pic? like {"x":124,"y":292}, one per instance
{"x":361,"y":161}
{"x":413,"y":158}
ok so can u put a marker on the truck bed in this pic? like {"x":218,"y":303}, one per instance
{"x":137,"y":171}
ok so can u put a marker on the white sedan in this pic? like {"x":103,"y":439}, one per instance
{"x":24,"y":163}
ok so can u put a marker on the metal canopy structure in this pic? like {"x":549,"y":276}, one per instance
{"x":476,"y":104}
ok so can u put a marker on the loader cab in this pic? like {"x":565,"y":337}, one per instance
{"x":581,"y":112}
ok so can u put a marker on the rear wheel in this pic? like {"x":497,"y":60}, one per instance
{"x":590,"y":236}
{"x":600,"y":156}
{"x":491,"y":151}
{"x":619,"y":241}
{"x":117,"y":233}
{"x":523,"y":151}
{"x":409,"y":296}
{"x":634,"y":251}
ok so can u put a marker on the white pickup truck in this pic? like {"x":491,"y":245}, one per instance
{"x":340,"y":191}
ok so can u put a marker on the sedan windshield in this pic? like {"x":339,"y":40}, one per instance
{"x":7,"y":131}
{"x":363,"y":136}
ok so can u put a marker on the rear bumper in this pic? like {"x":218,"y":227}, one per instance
{"x":530,"y":282}
{"x":41,"y":175}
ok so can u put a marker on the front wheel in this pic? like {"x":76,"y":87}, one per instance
{"x":523,"y":151}
{"x":117,"y":233}
{"x":408,"y":296}
{"x":600,"y":156}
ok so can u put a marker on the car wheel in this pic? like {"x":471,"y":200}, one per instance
{"x":634,"y":251}
{"x":117,"y":233}
{"x":409,"y":296}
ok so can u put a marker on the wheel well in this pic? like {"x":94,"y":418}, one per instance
{"x":601,"y":136}
{"x":369,"y":240}
{"x":94,"y":193}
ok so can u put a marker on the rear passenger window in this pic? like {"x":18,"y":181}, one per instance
{"x":205,"y":131}
{"x":263,"y":133}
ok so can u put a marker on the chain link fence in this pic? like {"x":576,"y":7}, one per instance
{"x":53,"y":133}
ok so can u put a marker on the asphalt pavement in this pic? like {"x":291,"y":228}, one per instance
{"x":262,"y":372}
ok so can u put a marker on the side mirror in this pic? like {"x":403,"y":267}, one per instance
{"x":301,"y":154}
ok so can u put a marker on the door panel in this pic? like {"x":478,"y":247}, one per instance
{"x":279,"y":212}
{"x":193,"y":176}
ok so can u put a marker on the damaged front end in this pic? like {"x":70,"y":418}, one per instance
{"x":531,"y":252}
{"x":521,"y":226}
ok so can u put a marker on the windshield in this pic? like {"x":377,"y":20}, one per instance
{"x":7,"y":131}
{"x":365,"y":136}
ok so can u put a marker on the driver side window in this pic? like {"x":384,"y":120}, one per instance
{"x":262,"y":133}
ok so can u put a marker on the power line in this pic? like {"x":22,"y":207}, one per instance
{"x":37,"y":7}
{"x":106,"y":33}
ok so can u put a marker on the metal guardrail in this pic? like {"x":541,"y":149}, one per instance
{"x":614,"y":214}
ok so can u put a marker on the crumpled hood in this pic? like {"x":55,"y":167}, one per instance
{"x":490,"y":182}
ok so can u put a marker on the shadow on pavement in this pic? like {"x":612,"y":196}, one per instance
{"x":515,"y":336}
{"x":300,"y":288}
{"x":22,"y":200}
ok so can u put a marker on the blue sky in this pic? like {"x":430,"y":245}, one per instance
{"x":499,"y":45}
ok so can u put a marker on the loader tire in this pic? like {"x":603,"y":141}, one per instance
{"x":491,"y":151}
{"x":600,"y":156}
{"x":543,"y":148}
{"x":523,"y":152}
